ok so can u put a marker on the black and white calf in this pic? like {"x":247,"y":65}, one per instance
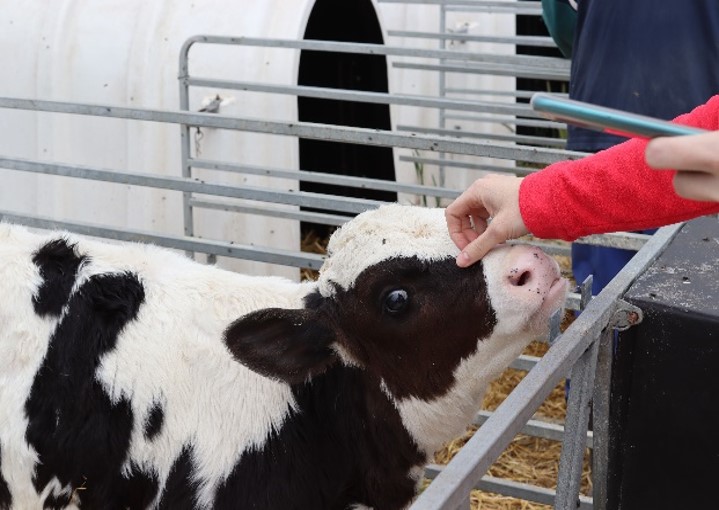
{"x":132,"y":377}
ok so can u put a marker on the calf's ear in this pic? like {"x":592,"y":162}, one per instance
{"x":291,"y":345}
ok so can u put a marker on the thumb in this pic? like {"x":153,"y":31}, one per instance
{"x":478,"y":248}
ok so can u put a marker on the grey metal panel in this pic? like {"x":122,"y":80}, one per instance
{"x":573,"y":448}
{"x":460,"y":133}
{"x":508,"y":121}
{"x":624,"y":240}
{"x":447,"y":163}
{"x":327,"y":178}
{"x":600,"y":410}
{"x":512,"y":489}
{"x":367,"y":97}
{"x":554,"y":63}
{"x":489,"y":6}
{"x":537,"y":428}
{"x":524,"y":40}
{"x":189,"y":244}
{"x":520,"y":71}
{"x":301,"y":198}
{"x":220,"y":205}
{"x":524,"y":362}
{"x":300,"y":129}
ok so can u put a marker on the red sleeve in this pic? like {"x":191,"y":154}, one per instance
{"x":612,"y":190}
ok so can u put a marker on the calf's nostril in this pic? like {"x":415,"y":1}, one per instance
{"x":519,"y":278}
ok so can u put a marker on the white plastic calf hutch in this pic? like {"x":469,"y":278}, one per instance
{"x":126,"y":53}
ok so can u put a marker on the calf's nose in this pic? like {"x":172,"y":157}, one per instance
{"x":531,"y":269}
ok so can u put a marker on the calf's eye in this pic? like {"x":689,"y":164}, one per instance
{"x":396,"y":301}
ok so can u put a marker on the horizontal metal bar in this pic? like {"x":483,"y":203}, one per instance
{"x":365,"y":97}
{"x":622,"y":240}
{"x":515,"y":11}
{"x":370,"y":49}
{"x":548,"y":124}
{"x":326,"y":178}
{"x":512,"y":489}
{"x":189,"y":244}
{"x":524,"y":362}
{"x":526,"y":40}
{"x":491,"y":6}
{"x":301,"y":198}
{"x":323,"y":219}
{"x":524,"y":94}
{"x":538,"y":73}
{"x":459,"y":164}
{"x":461,"y":133}
{"x":536,"y":428}
{"x":473,"y":460}
{"x":325,"y":132}
{"x":573,"y":301}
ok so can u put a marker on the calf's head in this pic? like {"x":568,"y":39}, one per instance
{"x":391,"y":301}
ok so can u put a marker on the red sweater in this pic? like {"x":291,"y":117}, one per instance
{"x":612,"y":190}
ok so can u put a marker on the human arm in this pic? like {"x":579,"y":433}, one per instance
{"x":610,"y":191}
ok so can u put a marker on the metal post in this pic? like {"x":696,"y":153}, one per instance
{"x":600,"y":426}
{"x":442,"y":85}
{"x":185,"y":154}
{"x":575,"y":429}
{"x":466,"y":504}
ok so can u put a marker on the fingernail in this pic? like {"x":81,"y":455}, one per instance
{"x":462,"y":259}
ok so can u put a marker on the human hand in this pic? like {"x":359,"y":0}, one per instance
{"x":495,"y":197}
{"x":696,"y":159}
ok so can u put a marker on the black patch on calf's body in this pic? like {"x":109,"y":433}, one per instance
{"x":139,"y":490}
{"x":58,"y":262}
{"x":415,"y":352}
{"x":57,"y":502}
{"x":80,"y":435}
{"x":5,"y":496}
{"x":154,"y":422}
{"x":344,"y":445}
{"x":180,"y":489}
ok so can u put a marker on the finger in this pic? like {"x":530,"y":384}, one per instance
{"x":696,"y":152}
{"x":457,"y":217}
{"x":460,"y":230}
{"x":697,"y":186}
{"x":478,"y":248}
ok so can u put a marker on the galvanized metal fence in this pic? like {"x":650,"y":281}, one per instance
{"x":584,"y":349}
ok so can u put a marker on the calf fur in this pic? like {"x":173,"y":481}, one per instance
{"x":132,"y":377}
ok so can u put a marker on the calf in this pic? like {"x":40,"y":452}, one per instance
{"x":132,"y":377}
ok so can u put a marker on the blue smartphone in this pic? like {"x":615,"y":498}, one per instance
{"x":608,"y":120}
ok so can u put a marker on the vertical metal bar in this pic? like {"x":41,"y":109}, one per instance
{"x":585,"y":289}
{"x":466,"y":504}
{"x":442,"y":85}
{"x":185,"y":139}
{"x":600,"y":425}
{"x":575,"y":429}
